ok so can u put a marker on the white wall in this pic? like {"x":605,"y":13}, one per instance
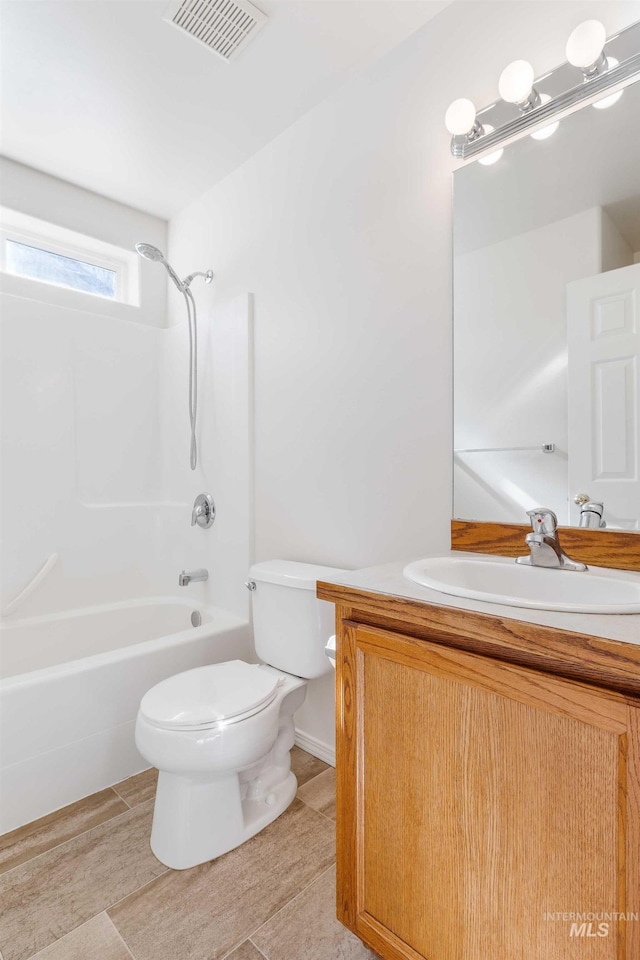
{"x":341,"y":228}
{"x":616,"y":251}
{"x":511,"y":367}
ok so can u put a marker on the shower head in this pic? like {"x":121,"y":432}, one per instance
{"x":149,"y":252}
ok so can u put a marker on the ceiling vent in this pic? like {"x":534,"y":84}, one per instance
{"x":224,"y":26}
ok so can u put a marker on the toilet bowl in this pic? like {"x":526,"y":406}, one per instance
{"x":221,"y":735}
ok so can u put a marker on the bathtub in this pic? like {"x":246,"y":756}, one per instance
{"x":70,"y":686}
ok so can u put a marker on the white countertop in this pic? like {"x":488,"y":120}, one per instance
{"x":388,"y":579}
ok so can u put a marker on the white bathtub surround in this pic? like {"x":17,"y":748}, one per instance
{"x":72,"y":443}
{"x":31,"y":585}
{"x":98,"y":407}
{"x":71,"y":688}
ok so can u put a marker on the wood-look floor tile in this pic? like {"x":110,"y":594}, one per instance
{"x":96,"y":940}
{"x":246,"y":951}
{"x":307,"y":927}
{"x":41,"y":835}
{"x":320,"y":793}
{"x":46,"y":898}
{"x":304,"y":766}
{"x":139,"y":788}
{"x":201,"y":913}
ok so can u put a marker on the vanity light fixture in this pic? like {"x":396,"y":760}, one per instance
{"x":595,"y":66}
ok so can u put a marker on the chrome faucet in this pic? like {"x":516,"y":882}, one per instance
{"x":544,"y":544}
{"x":186,"y":578}
{"x":591,"y":515}
{"x":591,"y":511}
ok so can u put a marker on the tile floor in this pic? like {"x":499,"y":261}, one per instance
{"x":82,"y":884}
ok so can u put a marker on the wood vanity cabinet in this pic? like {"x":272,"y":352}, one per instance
{"x":488,"y":785}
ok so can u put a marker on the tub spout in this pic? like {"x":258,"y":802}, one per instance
{"x":185,"y":578}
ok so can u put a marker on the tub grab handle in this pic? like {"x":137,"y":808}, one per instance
{"x":33,"y":584}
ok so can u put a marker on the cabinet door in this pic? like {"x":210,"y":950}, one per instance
{"x":481,"y":804}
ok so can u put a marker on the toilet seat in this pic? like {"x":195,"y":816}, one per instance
{"x":206,"y":696}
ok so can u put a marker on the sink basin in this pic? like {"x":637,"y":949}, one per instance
{"x":502,"y":580}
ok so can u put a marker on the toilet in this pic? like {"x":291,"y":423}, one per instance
{"x":221,"y":735}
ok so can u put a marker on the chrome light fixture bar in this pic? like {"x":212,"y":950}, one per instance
{"x":615,"y":65}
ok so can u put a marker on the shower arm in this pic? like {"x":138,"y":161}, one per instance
{"x":208,"y":277}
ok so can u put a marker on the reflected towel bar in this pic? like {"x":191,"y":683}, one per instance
{"x":545,"y":448}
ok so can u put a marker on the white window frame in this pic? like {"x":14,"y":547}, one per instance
{"x":53,"y":238}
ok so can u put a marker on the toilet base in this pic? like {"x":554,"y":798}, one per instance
{"x":212,"y":819}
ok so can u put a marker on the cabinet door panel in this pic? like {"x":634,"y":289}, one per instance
{"x":488,"y":797}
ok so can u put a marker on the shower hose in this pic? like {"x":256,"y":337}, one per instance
{"x":193,"y":372}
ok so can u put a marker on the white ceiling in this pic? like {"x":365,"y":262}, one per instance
{"x":107,"y":95}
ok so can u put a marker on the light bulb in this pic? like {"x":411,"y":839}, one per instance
{"x":586,"y":43}
{"x":490,"y":158}
{"x":544,"y":132}
{"x":607,"y":101}
{"x":516,"y":82}
{"x":614,"y":97}
{"x":460,"y":117}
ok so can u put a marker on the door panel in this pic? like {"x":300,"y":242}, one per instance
{"x":603,"y":336}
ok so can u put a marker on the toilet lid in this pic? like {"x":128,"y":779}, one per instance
{"x":205,"y":696}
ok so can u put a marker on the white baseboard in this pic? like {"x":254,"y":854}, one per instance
{"x":316,"y":747}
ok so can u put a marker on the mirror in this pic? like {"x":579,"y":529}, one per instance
{"x":547,"y":323}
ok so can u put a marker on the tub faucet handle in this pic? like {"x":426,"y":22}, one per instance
{"x":204,"y":511}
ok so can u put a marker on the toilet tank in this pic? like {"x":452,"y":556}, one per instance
{"x":291,"y":626}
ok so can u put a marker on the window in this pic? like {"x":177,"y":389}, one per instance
{"x":53,"y":256}
{"x":28,"y":261}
